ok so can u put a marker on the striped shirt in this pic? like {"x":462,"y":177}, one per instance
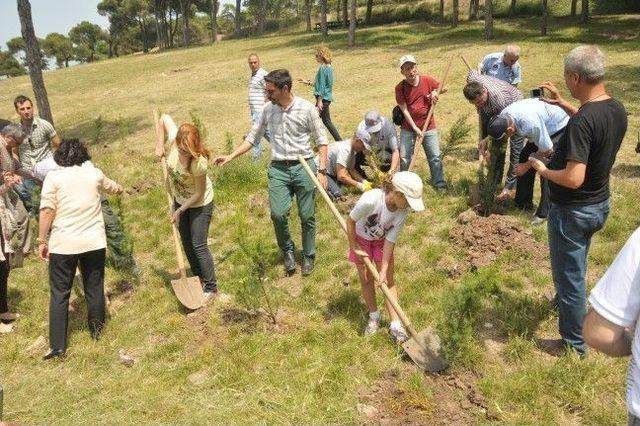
{"x":36,"y":146}
{"x":291,"y":129}
{"x":256,"y":91}
{"x":500,"y":94}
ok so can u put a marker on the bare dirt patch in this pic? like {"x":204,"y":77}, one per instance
{"x":258,"y":320}
{"x":453,"y":399}
{"x":486,"y":237}
{"x":118,"y":294}
{"x":141,"y":187}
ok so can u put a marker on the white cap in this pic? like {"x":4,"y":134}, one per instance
{"x":364,"y":137}
{"x":407,"y":58}
{"x":410,"y":185}
{"x":372,"y":122}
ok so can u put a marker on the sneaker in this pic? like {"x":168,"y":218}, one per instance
{"x":372,"y":327}
{"x":399,"y":334}
{"x":209,"y":296}
{"x":537,"y":221}
{"x":6,"y":328}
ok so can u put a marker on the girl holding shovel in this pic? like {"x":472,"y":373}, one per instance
{"x":192,"y":191}
{"x":373,"y":227}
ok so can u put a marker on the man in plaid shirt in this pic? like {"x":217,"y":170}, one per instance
{"x":490,"y":96}
{"x":292,"y":122}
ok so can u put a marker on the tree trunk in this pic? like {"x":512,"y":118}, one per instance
{"x":584,"y":16}
{"x":352,"y":23}
{"x":441,"y":11}
{"x":34,"y":60}
{"x":488,"y":19}
{"x":324,"y":30}
{"x":143,"y":31}
{"x":214,"y":20}
{"x":156,"y":13}
{"x":574,"y":7}
{"x":455,"y":14}
{"x":512,"y":9}
{"x":345,"y":12}
{"x":307,"y":6}
{"x":184,"y":6}
{"x":474,"y":5}
{"x":367,"y":16}
{"x":236,"y":30}
{"x":545,"y":18}
{"x":172,"y":28}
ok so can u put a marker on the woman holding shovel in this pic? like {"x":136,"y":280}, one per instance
{"x":373,"y":227}
{"x":192,"y":191}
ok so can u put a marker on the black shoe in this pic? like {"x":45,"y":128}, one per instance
{"x":289,"y":262}
{"x":307,"y":265}
{"x":54,"y":353}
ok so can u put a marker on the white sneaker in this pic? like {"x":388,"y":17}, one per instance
{"x":372,"y":327}
{"x":399,"y":334}
{"x":537,"y":221}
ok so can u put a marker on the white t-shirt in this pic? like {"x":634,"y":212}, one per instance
{"x":74,"y":193}
{"x":374,"y":221}
{"x":616,"y":297}
{"x":339,"y":153}
{"x":256,"y":91}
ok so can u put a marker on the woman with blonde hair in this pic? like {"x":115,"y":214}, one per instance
{"x":323,"y":89}
{"x":192,"y":190}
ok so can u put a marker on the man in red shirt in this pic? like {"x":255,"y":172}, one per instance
{"x":415,"y":95}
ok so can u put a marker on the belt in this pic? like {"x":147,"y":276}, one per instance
{"x":288,"y":162}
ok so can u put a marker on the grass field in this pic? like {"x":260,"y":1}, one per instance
{"x":229,"y":363}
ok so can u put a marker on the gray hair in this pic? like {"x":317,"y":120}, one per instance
{"x":15,"y":132}
{"x":587,"y":61}
{"x":512,"y":50}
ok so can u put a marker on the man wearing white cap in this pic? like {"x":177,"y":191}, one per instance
{"x":341,"y":164}
{"x":384,"y":142}
{"x":415,"y":95}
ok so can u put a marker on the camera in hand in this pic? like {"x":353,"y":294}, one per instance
{"x":538,"y":92}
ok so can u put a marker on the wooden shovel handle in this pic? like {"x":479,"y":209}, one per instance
{"x":429,"y":115}
{"x":165,"y":173}
{"x":370,"y":266}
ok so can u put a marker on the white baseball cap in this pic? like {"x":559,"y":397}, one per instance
{"x":410,"y":185}
{"x":407,"y":58}
{"x":364,"y":137}
{"x":372,"y":121}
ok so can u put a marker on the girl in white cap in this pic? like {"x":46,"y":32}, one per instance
{"x":373,"y":227}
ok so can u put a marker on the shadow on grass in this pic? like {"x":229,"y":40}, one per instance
{"x":14,"y":297}
{"x":103,"y":131}
{"x":347,"y":304}
{"x":626,"y":171}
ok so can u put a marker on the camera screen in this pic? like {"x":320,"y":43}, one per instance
{"x":536,"y":93}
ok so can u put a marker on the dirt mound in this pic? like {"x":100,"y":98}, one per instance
{"x":453,"y":400}
{"x":141,"y":187}
{"x":258,"y":320}
{"x":487,"y":237}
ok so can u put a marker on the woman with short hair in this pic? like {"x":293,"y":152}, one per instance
{"x":70,"y":209}
{"x":323,"y":89}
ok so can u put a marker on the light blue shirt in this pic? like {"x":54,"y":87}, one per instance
{"x":537,"y":121}
{"x":493,"y":65}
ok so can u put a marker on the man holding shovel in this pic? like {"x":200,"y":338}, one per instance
{"x":416,"y":94}
{"x":291,"y":121}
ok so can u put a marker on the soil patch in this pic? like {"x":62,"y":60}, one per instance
{"x":141,"y":187}
{"x":119,"y":294}
{"x":453,"y":400}
{"x":257,"y":320}
{"x":486,"y":237}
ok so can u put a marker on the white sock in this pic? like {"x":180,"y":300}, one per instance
{"x":396,"y":325}
{"x":374,"y":316}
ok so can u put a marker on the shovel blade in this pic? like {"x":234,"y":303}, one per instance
{"x":189,"y":292}
{"x":426,"y":353}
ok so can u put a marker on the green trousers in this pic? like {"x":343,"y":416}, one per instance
{"x":287,"y":179}
{"x":120,"y":250}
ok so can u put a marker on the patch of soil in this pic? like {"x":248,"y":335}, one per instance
{"x":119,"y":294}
{"x":257,"y":320}
{"x":486,"y":237}
{"x":141,"y":187}
{"x":454,"y":400}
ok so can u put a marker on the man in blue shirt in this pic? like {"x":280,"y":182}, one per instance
{"x":503,"y":66}
{"x":542,"y":124}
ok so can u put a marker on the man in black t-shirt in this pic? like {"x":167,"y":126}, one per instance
{"x":578,"y":177}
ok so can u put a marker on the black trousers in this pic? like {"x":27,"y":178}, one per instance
{"x":325,"y":115}
{"x":4,"y":278}
{"x":62,"y":269}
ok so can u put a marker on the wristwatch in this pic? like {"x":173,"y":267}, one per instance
{"x":322,"y":171}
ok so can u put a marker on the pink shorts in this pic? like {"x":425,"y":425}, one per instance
{"x":372,"y":248}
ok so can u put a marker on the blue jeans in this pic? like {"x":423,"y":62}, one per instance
{"x":257,"y":148}
{"x":570,"y":230}
{"x":431,"y":149}
{"x":27,"y":191}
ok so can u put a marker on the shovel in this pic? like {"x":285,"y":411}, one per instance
{"x":423,"y":347}
{"x":188,"y":290}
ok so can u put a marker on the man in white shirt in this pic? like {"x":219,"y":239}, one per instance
{"x":257,"y":97}
{"x":341,"y":164}
{"x":615,"y":309}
